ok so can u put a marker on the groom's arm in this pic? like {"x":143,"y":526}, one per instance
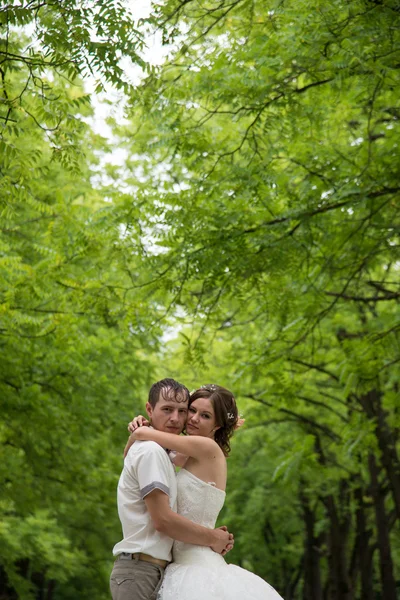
{"x":179,"y":528}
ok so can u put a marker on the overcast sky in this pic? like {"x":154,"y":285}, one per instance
{"x":154,"y":53}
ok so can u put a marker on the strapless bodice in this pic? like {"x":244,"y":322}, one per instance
{"x":197,"y":572}
{"x":201,"y":503}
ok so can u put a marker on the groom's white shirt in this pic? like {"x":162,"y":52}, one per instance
{"x":146,"y":467}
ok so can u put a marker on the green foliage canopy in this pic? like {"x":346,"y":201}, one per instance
{"x":260,"y":218}
{"x":271,"y":144}
{"x":74,"y":340}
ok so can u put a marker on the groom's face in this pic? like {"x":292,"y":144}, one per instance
{"x":168,"y":415}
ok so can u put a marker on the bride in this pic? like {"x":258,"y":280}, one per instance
{"x":197,"y":572}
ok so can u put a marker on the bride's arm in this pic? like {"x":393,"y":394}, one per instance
{"x":195,"y":445}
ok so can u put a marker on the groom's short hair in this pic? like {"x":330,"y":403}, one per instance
{"x":168,"y":389}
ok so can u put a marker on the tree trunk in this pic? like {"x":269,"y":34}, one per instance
{"x":385,"y":557}
{"x":312,"y":574}
{"x":362,"y":555}
{"x":290,"y":591}
{"x":339,"y":583}
{"x":6,"y":591}
{"x":372,"y":405}
{"x":50,"y":589}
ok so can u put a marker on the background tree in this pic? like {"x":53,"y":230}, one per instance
{"x":75,"y":346}
{"x":271,"y":145}
{"x":258,"y":216}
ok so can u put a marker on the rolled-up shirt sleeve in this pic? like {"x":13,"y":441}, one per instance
{"x":153,"y":469}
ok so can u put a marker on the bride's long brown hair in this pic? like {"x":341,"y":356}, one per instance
{"x":225,"y":410}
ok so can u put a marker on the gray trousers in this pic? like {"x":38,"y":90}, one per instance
{"x":135,"y":580}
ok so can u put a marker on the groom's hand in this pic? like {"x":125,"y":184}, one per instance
{"x":223,"y":540}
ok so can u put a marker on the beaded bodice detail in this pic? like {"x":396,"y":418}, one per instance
{"x":201,"y":503}
{"x":197,"y":572}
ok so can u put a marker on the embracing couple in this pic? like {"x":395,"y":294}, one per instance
{"x":167,"y":517}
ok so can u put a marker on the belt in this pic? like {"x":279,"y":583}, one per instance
{"x":146,"y":557}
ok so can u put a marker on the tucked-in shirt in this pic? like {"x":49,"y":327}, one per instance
{"x":147,"y":467}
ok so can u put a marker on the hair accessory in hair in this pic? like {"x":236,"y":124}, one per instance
{"x":209,"y":386}
{"x":230,"y":416}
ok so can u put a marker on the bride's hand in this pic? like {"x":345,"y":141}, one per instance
{"x":224,"y":540}
{"x":138,"y":421}
{"x":231,"y":542}
{"x":178,"y":458}
{"x":228,"y":548}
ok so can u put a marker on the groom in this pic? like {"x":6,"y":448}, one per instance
{"x":147,"y":504}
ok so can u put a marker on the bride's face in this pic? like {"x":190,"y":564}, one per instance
{"x":201,"y":418}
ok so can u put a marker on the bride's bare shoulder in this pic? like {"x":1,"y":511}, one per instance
{"x":206,"y":445}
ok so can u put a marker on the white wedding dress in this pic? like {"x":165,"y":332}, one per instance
{"x":197,"y":572}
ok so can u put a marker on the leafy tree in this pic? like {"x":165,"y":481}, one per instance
{"x":270,"y":139}
{"x":74,"y":336}
{"x":258,"y":217}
